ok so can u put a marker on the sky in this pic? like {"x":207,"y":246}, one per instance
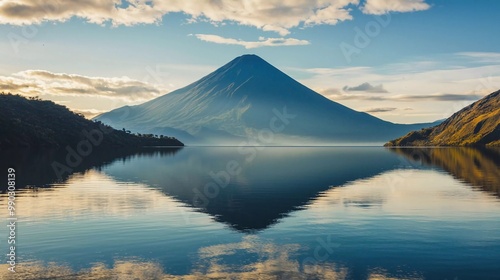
{"x":404,"y":61}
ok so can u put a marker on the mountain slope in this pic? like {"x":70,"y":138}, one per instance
{"x":475,"y":125}
{"x":38,"y":123}
{"x":242,"y":100}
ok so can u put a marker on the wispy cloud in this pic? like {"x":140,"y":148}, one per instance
{"x":40,"y":82}
{"x":332,"y":94}
{"x":484,"y":57}
{"x":434,"y":87}
{"x":378,"y":7}
{"x":277,"y":16}
{"x":337,"y":95}
{"x":438,"y":97}
{"x":263,"y":42}
{"x":90,"y":113}
{"x":367,"y":87}
{"x":380,"y":110}
{"x":459,"y":74}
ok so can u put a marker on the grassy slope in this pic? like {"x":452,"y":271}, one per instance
{"x":475,"y":125}
{"x":36,"y":123}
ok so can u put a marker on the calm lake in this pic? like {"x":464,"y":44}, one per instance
{"x":257,"y":213}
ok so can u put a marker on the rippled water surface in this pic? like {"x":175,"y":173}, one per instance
{"x":266,"y":213}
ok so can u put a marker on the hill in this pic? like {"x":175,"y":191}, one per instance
{"x":249,"y":98}
{"x":475,"y":125}
{"x":39,"y":123}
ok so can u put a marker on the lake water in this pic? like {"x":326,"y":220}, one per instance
{"x":257,"y":213}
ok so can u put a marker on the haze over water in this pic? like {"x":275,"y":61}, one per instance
{"x":273,"y":212}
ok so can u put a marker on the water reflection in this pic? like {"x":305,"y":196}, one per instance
{"x":140,"y":217}
{"x":270,"y":183}
{"x":479,"y":167}
{"x":262,"y":259}
{"x":34,"y":166}
{"x":266,"y":189}
{"x":400,"y":194}
{"x":91,"y":193}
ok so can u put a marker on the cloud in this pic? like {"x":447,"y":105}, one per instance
{"x":403,"y":98}
{"x":331,"y":14}
{"x":457,"y":74}
{"x":485,"y":57}
{"x":273,"y":15}
{"x":261,"y":259}
{"x":366,"y":87}
{"x":94,"y":11}
{"x":379,"y":7}
{"x":90,"y":113}
{"x":40,"y":82}
{"x":336,"y":95}
{"x":380,"y":110}
{"x":329,"y":92}
{"x":435,"y":88}
{"x":263,"y":42}
{"x":438,"y":97}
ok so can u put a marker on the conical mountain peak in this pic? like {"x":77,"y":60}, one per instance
{"x":246,"y":75}
{"x":252,"y":63}
{"x":245,"y":97}
{"x":249,"y":59}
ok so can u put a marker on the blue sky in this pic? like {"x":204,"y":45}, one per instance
{"x":401,"y":60}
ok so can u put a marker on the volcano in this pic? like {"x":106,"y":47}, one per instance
{"x":248,"y":100}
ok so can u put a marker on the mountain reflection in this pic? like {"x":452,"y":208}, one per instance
{"x":479,"y":167}
{"x":270,"y":183}
{"x":140,"y":217}
{"x":268,"y":187}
